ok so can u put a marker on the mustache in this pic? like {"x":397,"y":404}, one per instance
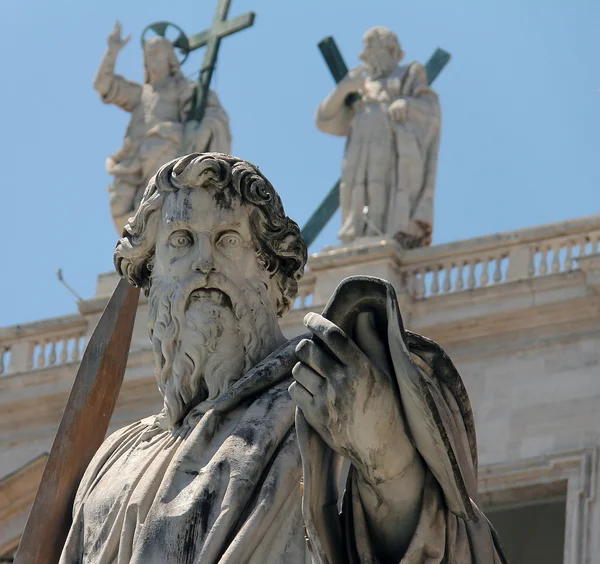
{"x":212,"y":281}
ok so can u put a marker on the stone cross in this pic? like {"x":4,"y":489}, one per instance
{"x":211,"y":39}
{"x":338,"y":69}
{"x":221,"y":27}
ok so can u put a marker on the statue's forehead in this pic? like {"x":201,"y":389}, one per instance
{"x":200,"y":207}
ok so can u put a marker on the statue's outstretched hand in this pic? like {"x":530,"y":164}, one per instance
{"x":350,"y":402}
{"x":115,"y":42}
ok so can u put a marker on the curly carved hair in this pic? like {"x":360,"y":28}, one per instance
{"x":280,"y":248}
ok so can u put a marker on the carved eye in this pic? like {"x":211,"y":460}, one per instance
{"x":180,"y":239}
{"x":229,"y":241}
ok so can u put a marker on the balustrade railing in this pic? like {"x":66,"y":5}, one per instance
{"x":306,"y":288}
{"x":42,"y":344}
{"x":486,"y":261}
{"x":438,"y":270}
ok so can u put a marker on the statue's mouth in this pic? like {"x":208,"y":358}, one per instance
{"x":214,"y":294}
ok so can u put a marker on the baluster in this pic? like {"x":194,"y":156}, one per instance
{"x":544,"y":261}
{"x":531,"y":268}
{"x":497,"y":270}
{"x":595,"y":242}
{"x":419,"y":283}
{"x":52,"y":355}
{"x":471,"y":281}
{"x":448,"y":278}
{"x":485,"y":277}
{"x":555,"y":268}
{"x":435,"y":283}
{"x":41,"y":359}
{"x":582,"y":245}
{"x":3,"y":352}
{"x":460,"y":283}
{"x":64,"y":351}
{"x":569,"y":256}
{"x":76,"y":346}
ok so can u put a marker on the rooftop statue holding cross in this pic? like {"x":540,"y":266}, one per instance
{"x":391,"y":118}
{"x":170,"y":115}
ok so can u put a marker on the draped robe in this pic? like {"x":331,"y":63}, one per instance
{"x":246,"y":479}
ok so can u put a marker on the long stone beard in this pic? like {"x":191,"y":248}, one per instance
{"x":204,"y":339}
{"x":379,"y":66}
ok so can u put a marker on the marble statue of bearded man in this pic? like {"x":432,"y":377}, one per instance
{"x":393,"y":136}
{"x":245,"y":462}
{"x":158,"y":129}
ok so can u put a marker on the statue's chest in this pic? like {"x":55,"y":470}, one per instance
{"x":160,"y":99}
{"x":386,"y":89}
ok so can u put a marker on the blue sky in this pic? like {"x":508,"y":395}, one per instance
{"x":520,"y":134}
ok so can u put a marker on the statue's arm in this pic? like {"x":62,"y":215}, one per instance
{"x":392,"y":508}
{"x":113,"y":88}
{"x":333,"y":115}
{"x":422,"y":100}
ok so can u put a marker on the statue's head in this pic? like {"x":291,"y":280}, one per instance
{"x":160,"y":60}
{"x":381,"y":50}
{"x":212,"y":248}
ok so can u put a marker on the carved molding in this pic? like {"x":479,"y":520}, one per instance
{"x":572,"y":473}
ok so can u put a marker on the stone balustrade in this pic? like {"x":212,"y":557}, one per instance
{"x":306,"y":288}
{"x":438,"y":270}
{"x":495,"y":259}
{"x":42,"y":344}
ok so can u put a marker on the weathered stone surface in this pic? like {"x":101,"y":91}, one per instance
{"x":221,"y":465}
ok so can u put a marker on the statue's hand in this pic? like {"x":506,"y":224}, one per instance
{"x":350,"y":402}
{"x":398,"y":110}
{"x":354,"y":81}
{"x":115,"y":43}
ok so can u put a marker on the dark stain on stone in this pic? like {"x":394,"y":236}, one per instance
{"x":247,"y":434}
{"x":223,"y":199}
{"x":197,"y":523}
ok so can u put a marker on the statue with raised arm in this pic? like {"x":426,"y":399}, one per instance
{"x":391,"y":118}
{"x":352,"y":443}
{"x":158,"y":129}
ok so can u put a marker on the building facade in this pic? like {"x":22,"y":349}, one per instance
{"x":519,"y":314}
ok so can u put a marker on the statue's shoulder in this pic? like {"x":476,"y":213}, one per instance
{"x":415,"y":68}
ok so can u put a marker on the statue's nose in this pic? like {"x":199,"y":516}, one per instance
{"x":206,"y":266}
{"x":204,"y":261}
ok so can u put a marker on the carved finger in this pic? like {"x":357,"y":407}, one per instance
{"x":125,"y":41}
{"x":333,"y":337}
{"x":317,"y":358}
{"x":301,"y":396}
{"x":313,"y":411}
{"x":309,"y":379}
